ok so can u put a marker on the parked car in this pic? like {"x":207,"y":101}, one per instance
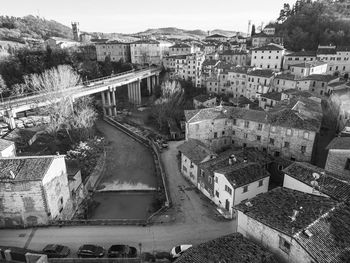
{"x":37,"y":120}
{"x":56,"y":251}
{"x":178,"y":250}
{"x":45,"y":119}
{"x":90,"y":251}
{"x":122,"y":251}
{"x":4,"y":128}
{"x":19,"y":123}
{"x":28,"y":123}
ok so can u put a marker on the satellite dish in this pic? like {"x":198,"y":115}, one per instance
{"x":316,"y":176}
{"x":314,"y":183}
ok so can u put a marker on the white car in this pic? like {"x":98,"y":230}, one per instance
{"x":19,"y":123}
{"x":178,"y":250}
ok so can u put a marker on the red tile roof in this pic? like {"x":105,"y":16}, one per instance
{"x":195,"y":150}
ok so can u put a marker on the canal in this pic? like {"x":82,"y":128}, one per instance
{"x":128,"y":184}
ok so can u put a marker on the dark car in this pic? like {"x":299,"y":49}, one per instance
{"x":56,"y":251}
{"x":122,"y":251}
{"x":91,"y":251}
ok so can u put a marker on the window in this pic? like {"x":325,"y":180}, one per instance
{"x":223,"y":132}
{"x":215,"y":134}
{"x":284,"y":245}
{"x":233,"y":132}
{"x":258,"y":138}
{"x":234,"y":121}
{"x":260,"y":127}
{"x":245,"y":189}
{"x":261,"y":182}
{"x":246,"y":124}
{"x":286,"y":144}
{"x":210,"y":179}
{"x":273,"y":129}
{"x":216,"y":179}
{"x":245,"y":136}
{"x":272,"y":141}
{"x":217,"y":194}
{"x":289,"y":132}
{"x":306,"y":135}
{"x":347,"y":164}
{"x":303,"y":149}
{"x":228,"y":189}
{"x":202,"y":173}
{"x":184,"y":168}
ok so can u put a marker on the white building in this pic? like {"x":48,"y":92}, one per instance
{"x":337,"y":58}
{"x":116,"y":50}
{"x":183,"y":49}
{"x":149,"y":51}
{"x":268,"y":57}
{"x":7,"y":148}
{"x":305,"y":69}
{"x":259,"y":82}
{"x":284,"y":82}
{"x":298,"y":57}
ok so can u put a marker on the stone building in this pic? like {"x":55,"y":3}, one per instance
{"x":284,"y":81}
{"x":305,"y":69}
{"x":204,"y":101}
{"x":261,"y":39}
{"x":338,"y":159}
{"x":235,"y":57}
{"x":238,"y":81}
{"x":296,"y":227}
{"x":337,"y":58}
{"x":116,"y":50}
{"x":182,"y":49}
{"x":340,"y":105}
{"x":269,"y":100}
{"x":149,"y":51}
{"x":318,"y":84}
{"x":33,"y":191}
{"x":298,"y":57}
{"x":268,"y":57}
{"x":259,"y":82}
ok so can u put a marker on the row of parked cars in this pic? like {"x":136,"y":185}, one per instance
{"x":25,"y":122}
{"x":115,"y":251}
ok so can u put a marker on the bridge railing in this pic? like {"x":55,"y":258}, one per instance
{"x":28,"y":98}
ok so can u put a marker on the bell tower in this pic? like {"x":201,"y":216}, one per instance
{"x":75,"y":29}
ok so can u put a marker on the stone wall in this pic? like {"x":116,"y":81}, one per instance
{"x":336,"y":161}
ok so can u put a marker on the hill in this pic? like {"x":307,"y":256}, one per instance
{"x":20,"y":28}
{"x":173,"y":32}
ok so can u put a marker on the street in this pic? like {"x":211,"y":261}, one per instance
{"x":191,"y":220}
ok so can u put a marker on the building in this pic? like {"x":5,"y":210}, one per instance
{"x":296,"y":227}
{"x":217,"y":37}
{"x":288,"y":130}
{"x":269,"y":57}
{"x":318,"y":84}
{"x":305,"y":69}
{"x":76,"y":186}
{"x":237,"y":79}
{"x":59,"y":42}
{"x":204,"y":101}
{"x":115,"y":50}
{"x":193,"y":153}
{"x":284,"y":81}
{"x":298,"y":57}
{"x":33,"y":191}
{"x":193,"y":68}
{"x":234,"y":57}
{"x":262,"y":39}
{"x":310,"y":179}
{"x":7,"y":148}
{"x":269,"y":100}
{"x":338,"y":159}
{"x":176,"y":65}
{"x":209,"y":70}
{"x":337,"y":58}
{"x":259,"y":82}
{"x":231,"y":248}
{"x":148,"y":51}
{"x":182,"y":49}
{"x":340,"y":105}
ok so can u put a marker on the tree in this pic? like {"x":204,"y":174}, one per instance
{"x":253,"y":30}
{"x":3,"y":87}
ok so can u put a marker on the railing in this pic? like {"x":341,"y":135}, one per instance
{"x":79,"y":222}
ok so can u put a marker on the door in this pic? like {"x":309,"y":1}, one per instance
{"x":227,"y":205}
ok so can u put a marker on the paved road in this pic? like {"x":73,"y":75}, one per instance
{"x":195,"y":222}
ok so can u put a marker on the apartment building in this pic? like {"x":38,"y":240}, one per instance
{"x":337,"y":58}
{"x":305,"y":69}
{"x":284,"y":81}
{"x":261,"y":39}
{"x":298,"y":57}
{"x":318,"y":84}
{"x":238,"y":80}
{"x":269,"y":100}
{"x":116,"y":50}
{"x":259,"y":82}
{"x":183,"y":49}
{"x":149,"y":51}
{"x":193,"y":68}
{"x":234,"y":57}
{"x":268,"y":57}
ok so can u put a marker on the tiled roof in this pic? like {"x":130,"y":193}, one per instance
{"x":326,"y":51}
{"x":25,"y":168}
{"x":343,"y":48}
{"x":241,"y":100}
{"x":215,"y":36}
{"x":272,"y":95}
{"x":309,"y":64}
{"x":320,"y":77}
{"x":72,"y":168}
{"x":302,"y":54}
{"x":204,"y":97}
{"x":262,"y":34}
{"x":204,"y":114}
{"x":286,"y":76}
{"x":232,"y":248}
{"x":248,"y":114}
{"x":339,"y":143}
{"x":276,"y":207}
{"x":330,"y":184}
{"x":336,"y":84}
{"x":270,"y":46}
{"x":146,"y":41}
{"x":195,"y":150}
{"x":298,"y":93}
{"x":177,"y":56}
{"x":180,"y":45}
{"x":242,"y":70}
{"x":266,"y":73}
{"x":243,"y":173}
{"x":300,"y":113}
{"x":233,"y":52}
{"x":328,"y":237}
{"x":4,"y":144}
{"x":210,"y":62}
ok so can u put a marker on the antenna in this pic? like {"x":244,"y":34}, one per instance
{"x":316,"y":176}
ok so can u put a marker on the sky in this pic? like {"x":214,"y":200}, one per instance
{"x":131,"y":16}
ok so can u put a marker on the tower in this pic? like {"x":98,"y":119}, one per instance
{"x":249,"y":24}
{"x":75,"y":29}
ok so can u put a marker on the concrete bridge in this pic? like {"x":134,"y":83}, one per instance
{"x":106,"y":86}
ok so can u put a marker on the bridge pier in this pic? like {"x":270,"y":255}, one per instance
{"x":114,"y":101}
{"x":103,"y":103}
{"x":109,"y":103}
{"x":9,"y":118}
{"x":149,"y":87}
{"x":134,"y":92}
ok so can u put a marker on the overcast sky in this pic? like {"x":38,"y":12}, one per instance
{"x":130,"y":16}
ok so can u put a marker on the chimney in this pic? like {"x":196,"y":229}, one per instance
{"x":245,"y":160}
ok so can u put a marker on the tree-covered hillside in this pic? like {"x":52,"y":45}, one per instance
{"x":308,"y":23}
{"x":31,"y":27}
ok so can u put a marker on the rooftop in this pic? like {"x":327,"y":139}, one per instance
{"x":286,"y":76}
{"x":180,"y":45}
{"x":210,"y":62}
{"x":339,"y":143}
{"x":302,"y":54}
{"x":244,"y":173}
{"x":326,"y":51}
{"x":4,"y":144}
{"x":233,"y":52}
{"x":309,"y":64}
{"x":195,"y":150}
{"x":320,"y":77}
{"x":343,"y":48}
{"x":266,"y":73}
{"x":204,"y":97}
{"x":216,"y":36}
{"x":231,"y":248}
{"x":25,"y":168}
{"x":276,"y":207}
{"x":274,"y":95}
{"x":330,"y":184}
{"x":262,"y":34}
{"x":239,"y":69}
{"x":146,"y":41}
{"x":270,"y":46}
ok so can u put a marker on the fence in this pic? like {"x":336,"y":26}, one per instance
{"x":101,"y":222}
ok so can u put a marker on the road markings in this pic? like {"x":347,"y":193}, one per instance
{"x":32,"y":233}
